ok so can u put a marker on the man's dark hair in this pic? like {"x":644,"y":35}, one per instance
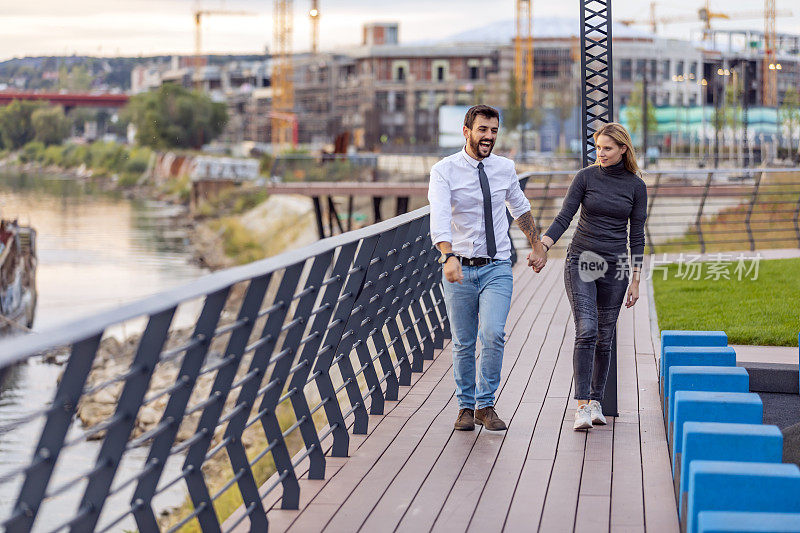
{"x":482,"y":110}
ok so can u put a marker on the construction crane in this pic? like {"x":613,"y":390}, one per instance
{"x":704,"y":14}
{"x":523,"y":52}
{"x":282,"y":115}
{"x":771,"y":67}
{"x":313,"y":14}
{"x":199,"y":13}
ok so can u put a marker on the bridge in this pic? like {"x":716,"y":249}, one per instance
{"x":331,"y":365}
{"x":67,"y":100}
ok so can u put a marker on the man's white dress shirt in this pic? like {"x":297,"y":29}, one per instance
{"x":454,"y":193}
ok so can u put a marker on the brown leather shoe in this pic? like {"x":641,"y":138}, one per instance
{"x":465,"y":420}
{"x":487,"y":417}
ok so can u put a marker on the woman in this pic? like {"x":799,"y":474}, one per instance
{"x":611,"y":193}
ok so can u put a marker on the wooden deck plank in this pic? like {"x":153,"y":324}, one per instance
{"x":318,"y":512}
{"x":627,"y":498}
{"x":518,"y":456}
{"x":471,"y":481}
{"x":431,"y":496}
{"x":533,"y":486}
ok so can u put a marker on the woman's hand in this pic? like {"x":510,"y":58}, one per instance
{"x":538,"y":257}
{"x":633,"y":294}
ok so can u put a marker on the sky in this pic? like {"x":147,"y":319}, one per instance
{"x":149,"y":27}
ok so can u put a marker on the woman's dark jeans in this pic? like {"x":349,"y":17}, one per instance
{"x":595,"y":307}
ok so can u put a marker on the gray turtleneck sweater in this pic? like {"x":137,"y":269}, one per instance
{"x":609,"y":196}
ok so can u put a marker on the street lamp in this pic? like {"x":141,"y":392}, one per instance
{"x":718,"y":92}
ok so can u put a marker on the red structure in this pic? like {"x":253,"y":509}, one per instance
{"x":68,"y":100}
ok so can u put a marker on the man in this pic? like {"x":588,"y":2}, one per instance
{"x":468,"y":193}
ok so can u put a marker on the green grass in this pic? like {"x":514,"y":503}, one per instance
{"x":764,"y":311}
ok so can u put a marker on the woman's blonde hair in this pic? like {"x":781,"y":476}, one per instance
{"x":620,"y":135}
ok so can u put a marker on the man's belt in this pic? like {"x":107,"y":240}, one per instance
{"x":475,"y":261}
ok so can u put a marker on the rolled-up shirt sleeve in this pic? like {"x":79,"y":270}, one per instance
{"x":441,"y":209}
{"x":517,"y":203}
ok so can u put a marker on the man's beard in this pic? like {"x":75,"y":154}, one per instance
{"x":476,"y":147}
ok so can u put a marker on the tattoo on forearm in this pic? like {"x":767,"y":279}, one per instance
{"x":528,"y":227}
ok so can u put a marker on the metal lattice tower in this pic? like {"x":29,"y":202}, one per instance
{"x":597,"y":104}
{"x":770,"y":76}
{"x":523,"y":52}
{"x":282,"y":83}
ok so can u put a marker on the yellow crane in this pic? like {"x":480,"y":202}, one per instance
{"x":198,"y":14}
{"x":523,"y":52}
{"x":705,"y":15}
{"x":284,"y":123}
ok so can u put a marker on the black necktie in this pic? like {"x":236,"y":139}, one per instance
{"x":491,"y":247}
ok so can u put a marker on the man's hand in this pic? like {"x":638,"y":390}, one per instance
{"x":452,"y":270}
{"x":538,"y":257}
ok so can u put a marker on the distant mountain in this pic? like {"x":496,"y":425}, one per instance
{"x":503,"y":31}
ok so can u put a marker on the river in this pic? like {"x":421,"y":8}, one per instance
{"x":96,"y":251}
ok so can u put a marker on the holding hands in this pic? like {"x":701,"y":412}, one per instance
{"x":538,"y":256}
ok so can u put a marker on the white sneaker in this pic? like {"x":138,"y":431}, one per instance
{"x":583,"y":418}
{"x":596,"y":412}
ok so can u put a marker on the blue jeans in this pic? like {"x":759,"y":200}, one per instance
{"x":479,"y":305}
{"x":595,"y":308}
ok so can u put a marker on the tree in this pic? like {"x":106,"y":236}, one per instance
{"x":175,"y":117}
{"x":633,"y":112}
{"x":50,"y":125}
{"x":16,"y":128}
{"x":76,"y":80}
{"x":789,"y":116}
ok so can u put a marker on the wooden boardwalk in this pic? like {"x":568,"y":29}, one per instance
{"x":412,"y":472}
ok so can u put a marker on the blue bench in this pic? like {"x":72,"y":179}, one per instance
{"x":692,"y":356}
{"x":744,"y":522}
{"x":724,"y":442}
{"x":697,"y":406}
{"x":675,"y":337}
{"x":740,"y":486}
{"x":703,"y":378}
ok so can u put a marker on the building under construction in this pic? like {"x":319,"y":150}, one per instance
{"x":384,"y":94}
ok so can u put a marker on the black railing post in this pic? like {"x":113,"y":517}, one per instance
{"x":364,"y":328}
{"x":346,"y":336}
{"x":175,"y":409}
{"x":698,"y":222}
{"x":268,"y":408}
{"x":652,"y":200}
{"x":396,"y":299}
{"x":329,"y":329}
{"x":751,"y":208}
{"x":117,"y":435}
{"x":209,"y":419}
{"x":55,"y":430}
{"x":303,"y":364}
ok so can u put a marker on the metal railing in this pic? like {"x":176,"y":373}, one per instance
{"x":280,"y":359}
{"x":702,"y":210}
